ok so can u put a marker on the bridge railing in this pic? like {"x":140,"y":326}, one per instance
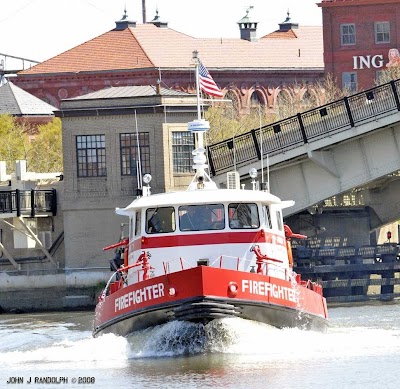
{"x":304,"y":127}
{"x":28,"y":202}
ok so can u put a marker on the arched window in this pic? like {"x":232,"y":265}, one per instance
{"x":285,"y":104}
{"x":230,"y":95}
{"x":256,"y":99}
{"x":309,"y":99}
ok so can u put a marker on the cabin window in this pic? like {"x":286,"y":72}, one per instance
{"x":129,"y":153}
{"x":267,"y":216}
{"x":160,"y":220}
{"x":243,"y":215}
{"x":138,"y":223}
{"x":132,"y":227}
{"x":279,"y":220}
{"x":182,"y":147}
{"x":91,"y":155}
{"x":201,"y":217}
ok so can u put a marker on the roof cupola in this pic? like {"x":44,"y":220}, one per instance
{"x":248,"y":28}
{"x":124,"y":22}
{"x":287,"y":24}
{"x":157,"y":21}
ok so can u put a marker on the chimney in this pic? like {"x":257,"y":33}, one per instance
{"x":144,"y":11}
{"x":124,"y":22}
{"x":248,"y":28}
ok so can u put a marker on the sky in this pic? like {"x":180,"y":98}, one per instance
{"x":40,"y":29}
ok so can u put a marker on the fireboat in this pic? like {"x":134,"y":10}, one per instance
{"x":204,"y":254}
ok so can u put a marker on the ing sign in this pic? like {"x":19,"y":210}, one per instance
{"x":376,"y":61}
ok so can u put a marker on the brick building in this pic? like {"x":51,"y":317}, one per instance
{"x":248,"y":69}
{"x":361,"y":39}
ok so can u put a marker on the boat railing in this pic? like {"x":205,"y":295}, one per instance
{"x":112,"y":285}
{"x":219,"y":262}
{"x":273,"y":269}
{"x":308,"y":284}
{"x":228,"y":262}
{"x":137,"y":275}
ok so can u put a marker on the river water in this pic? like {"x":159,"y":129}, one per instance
{"x":360,"y":350}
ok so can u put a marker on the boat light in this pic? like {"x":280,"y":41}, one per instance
{"x":172,"y":291}
{"x":232,"y":289}
{"x":147,"y":178}
{"x":253,"y":173}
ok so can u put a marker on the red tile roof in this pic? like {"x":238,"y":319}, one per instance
{"x":278,"y":34}
{"x":328,"y":3}
{"x":148,"y":46}
{"x":112,"y":50}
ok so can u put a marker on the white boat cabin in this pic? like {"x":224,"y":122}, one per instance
{"x":216,"y":228}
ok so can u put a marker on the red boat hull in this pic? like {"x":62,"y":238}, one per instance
{"x":202,"y":294}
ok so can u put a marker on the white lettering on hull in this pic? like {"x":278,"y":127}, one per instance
{"x":147,"y":293}
{"x":267,"y":289}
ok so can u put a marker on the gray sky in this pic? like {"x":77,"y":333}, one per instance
{"x":41,"y":29}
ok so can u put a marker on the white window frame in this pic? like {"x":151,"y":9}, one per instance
{"x":182,"y":146}
{"x":346,"y":34}
{"x":351,"y":84}
{"x":377,"y":27}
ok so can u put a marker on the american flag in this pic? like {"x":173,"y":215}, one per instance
{"x":207,"y":84}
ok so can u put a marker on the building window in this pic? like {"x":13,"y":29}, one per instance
{"x":382,"y":32}
{"x":91,"y":155}
{"x":182,"y":147}
{"x":348,"y":34}
{"x":255,"y":99}
{"x":235,"y":102}
{"x":349,"y":81}
{"x":129,"y":153}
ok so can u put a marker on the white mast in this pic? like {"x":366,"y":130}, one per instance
{"x":201,"y":179}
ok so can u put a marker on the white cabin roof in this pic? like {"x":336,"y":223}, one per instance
{"x":203,"y":196}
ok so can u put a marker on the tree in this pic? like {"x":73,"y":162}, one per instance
{"x":42,"y":148}
{"x":226,"y":122}
{"x":14,"y":143}
{"x":46,"y":149}
{"x":301,"y":97}
{"x":387,"y":75}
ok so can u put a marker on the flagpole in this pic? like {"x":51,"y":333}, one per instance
{"x":196,"y":61}
{"x":200,"y":140}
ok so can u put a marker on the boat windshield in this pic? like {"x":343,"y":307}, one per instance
{"x":243,"y":215}
{"x":201,"y":217}
{"x":161,"y":219}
